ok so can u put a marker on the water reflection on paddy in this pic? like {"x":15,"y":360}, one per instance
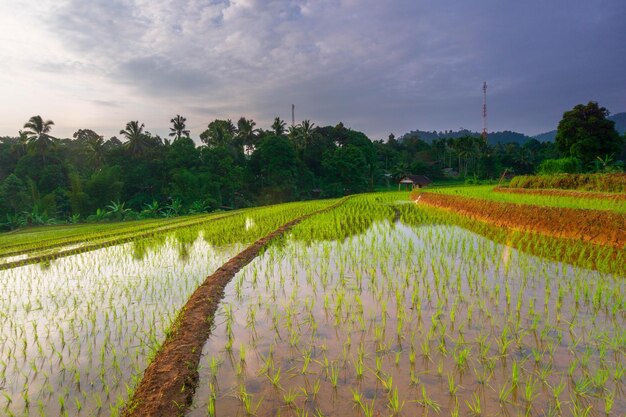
{"x":414,"y":319}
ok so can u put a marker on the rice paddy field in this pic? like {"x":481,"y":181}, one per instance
{"x":487,"y":192}
{"x":378,"y":306}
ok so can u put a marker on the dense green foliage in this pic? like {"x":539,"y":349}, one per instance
{"x":585,"y":133}
{"x":568,"y":165}
{"x":45,"y":180}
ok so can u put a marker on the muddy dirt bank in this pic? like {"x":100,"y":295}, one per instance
{"x":169,"y":382}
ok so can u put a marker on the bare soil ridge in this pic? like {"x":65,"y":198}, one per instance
{"x":594,"y":226}
{"x":169,"y":382}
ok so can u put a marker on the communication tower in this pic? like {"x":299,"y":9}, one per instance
{"x":484,"y":135}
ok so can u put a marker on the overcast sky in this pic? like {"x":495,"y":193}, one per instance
{"x":378,"y":66}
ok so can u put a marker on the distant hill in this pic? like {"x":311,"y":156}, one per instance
{"x":494,"y":138}
{"x":620,"y":122}
{"x":546,"y":137}
{"x":506,"y":136}
{"x":618,"y":118}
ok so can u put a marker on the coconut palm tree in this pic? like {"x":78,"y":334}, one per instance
{"x":178,"y":127}
{"x":36,"y":130}
{"x":293,"y":132}
{"x":247,"y":134}
{"x":93,"y":145}
{"x":278,"y":126}
{"x":137,"y":143}
{"x":20,"y":145}
{"x":306,"y":130}
{"x":97,"y":149}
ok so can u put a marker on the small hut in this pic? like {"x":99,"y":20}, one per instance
{"x":414,"y":181}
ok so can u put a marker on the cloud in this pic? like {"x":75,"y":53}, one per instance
{"x":378,"y":66}
{"x":105,"y":103}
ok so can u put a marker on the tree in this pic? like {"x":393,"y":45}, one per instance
{"x":247,"y":134}
{"x":14,"y":196}
{"x":585,"y":133}
{"x":93,"y":146}
{"x":20,"y":147}
{"x":178,"y":127}
{"x":278,"y":126}
{"x":137,"y":143}
{"x":37,"y":133}
{"x":275,"y":165}
{"x":219,"y":133}
{"x":347,"y":170}
{"x":302,"y":134}
{"x":104,"y":186}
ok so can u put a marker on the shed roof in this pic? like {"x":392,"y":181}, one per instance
{"x":416,"y":179}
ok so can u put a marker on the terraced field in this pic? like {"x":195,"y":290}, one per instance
{"x":370,"y":305}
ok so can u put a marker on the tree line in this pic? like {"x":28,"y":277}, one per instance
{"x":138,"y":174}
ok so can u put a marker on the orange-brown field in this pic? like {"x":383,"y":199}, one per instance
{"x":598,"y":227}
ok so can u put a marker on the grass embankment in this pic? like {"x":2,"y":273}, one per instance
{"x":614,"y":183}
{"x":554,"y":192}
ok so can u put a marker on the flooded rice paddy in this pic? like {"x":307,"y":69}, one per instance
{"x":75,"y":334}
{"x":349,"y":314}
{"x":416,"y":320}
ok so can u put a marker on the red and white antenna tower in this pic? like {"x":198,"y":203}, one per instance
{"x":484,"y":135}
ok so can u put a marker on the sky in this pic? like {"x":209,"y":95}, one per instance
{"x":378,"y":66}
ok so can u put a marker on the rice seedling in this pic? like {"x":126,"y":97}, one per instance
{"x":393,"y":402}
{"x":346,"y":291}
{"x":428,"y":403}
{"x":357,"y":398}
{"x":452,"y":386}
{"x":103,"y":307}
{"x":474,"y":406}
{"x":290,"y":398}
{"x":578,"y":409}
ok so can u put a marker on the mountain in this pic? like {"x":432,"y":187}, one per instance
{"x":546,"y":137}
{"x":620,"y":122}
{"x":494,"y":138}
{"x":618,"y":118}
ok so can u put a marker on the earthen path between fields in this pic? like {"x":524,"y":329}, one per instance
{"x":169,"y":382}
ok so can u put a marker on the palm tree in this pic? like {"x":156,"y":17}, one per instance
{"x":247,"y":134}
{"x":37,"y":133}
{"x":93,"y":145}
{"x":97,"y":149}
{"x":293,"y":132}
{"x":278,"y":126}
{"x":178,"y":127}
{"x":20,"y":146}
{"x":137,"y":143}
{"x":306,"y":130}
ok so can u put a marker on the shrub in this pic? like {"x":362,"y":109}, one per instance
{"x":569,"y":165}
